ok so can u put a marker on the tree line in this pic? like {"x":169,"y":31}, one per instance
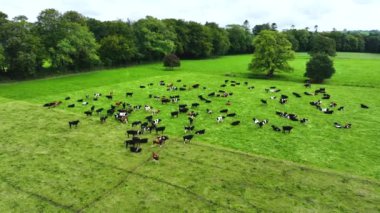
{"x":66,"y":42}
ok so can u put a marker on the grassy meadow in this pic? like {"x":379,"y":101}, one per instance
{"x":46,"y":166}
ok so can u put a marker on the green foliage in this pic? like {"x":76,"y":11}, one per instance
{"x":219,"y":39}
{"x":116,"y":50}
{"x":322,"y":44}
{"x":77,"y":50}
{"x":319,"y":68}
{"x":272,"y":52}
{"x":155,"y":39}
{"x":240,"y":39}
{"x":200,"y":44}
{"x":171,"y":61}
{"x":2,"y":59}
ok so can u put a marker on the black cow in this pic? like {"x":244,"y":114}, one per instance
{"x":224,"y":111}
{"x":92,"y":108}
{"x":207,"y":101}
{"x":364,"y":106}
{"x":200,"y":132}
{"x":275,"y":128}
{"x":80,"y":100}
{"x":191,"y":120}
{"x":132,"y":132}
{"x":67,"y":98}
{"x":88,"y":113}
{"x":165,"y":101}
{"x":308,"y":93}
{"x":149,"y":118}
{"x":129,"y":94}
{"x":187,"y":138}
{"x":182,"y":89}
{"x":223,"y":85}
{"x":142,"y":86}
{"x":73,"y":123}
{"x":329,"y":112}
{"x":188,"y":128}
{"x":103,"y":119}
{"x":287,"y":129}
{"x":183,"y":110}
{"x":174,"y":114}
{"x":195,"y":86}
{"x":160,"y":129}
{"x":341,"y":108}
{"x":194,"y":105}
{"x":135,"y":123}
{"x":99,"y":110}
{"x":109,"y":97}
{"x":71,"y":105}
{"x":231,"y":115}
{"x":263,"y":101}
{"x":296,"y":94}
{"x":110,"y":111}
{"x":235,"y":123}
{"x":211,"y":94}
{"x":304,"y":120}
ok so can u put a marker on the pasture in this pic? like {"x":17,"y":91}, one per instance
{"x":46,"y":166}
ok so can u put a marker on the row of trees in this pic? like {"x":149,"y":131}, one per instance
{"x":59,"y":42}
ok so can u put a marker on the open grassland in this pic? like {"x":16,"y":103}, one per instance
{"x":48,"y":167}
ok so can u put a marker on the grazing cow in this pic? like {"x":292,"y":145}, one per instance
{"x":223,"y":111}
{"x":155,"y":156}
{"x":211,"y":94}
{"x":109,"y":97}
{"x":160,"y":140}
{"x":92,"y":108}
{"x":135,"y":123}
{"x":80,"y":100}
{"x":260,"y":123}
{"x":235,"y":123}
{"x":287,"y":129}
{"x":226,"y":81}
{"x":179,"y":80}
{"x":142,"y":86}
{"x":157,"y":121}
{"x":84,"y":103}
{"x":182,"y":89}
{"x":160,"y":129}
{"x":308,"y":93}
{"x":341,"y":108}
{"x":195,"y":86}
{"x":223,"y":85}
{"x":307,"y":85}
{"x":209,"y":111}
{"x":364,"y":106}
{"x":67,"y":98}
{"x":296,"y":94}
{"x":99,"y":110}
{"x":149,"y":118}
{"x":220,"y":119}
{"x":207,"y":101}
{"x":275,"y":128}
{"x":129,"y":94}
{"x":200,"y":132}
{"x":103,"y":119}
{"x":273,"y":97}
{"x":110,"y":111}
{"x":328,"y":111}
{"x":304,"y":120}
{"x":187,"y":138}
{"x":347,"y":126}
{"x":162,"y":83}
{"x":135,"y":149}
{"x":191,"y":120}
{"x":165,"y":101}
{"x":88,"y":113}
{"x":326,"y":96}
{"x":263,"y":101}
{"x":183,"y":110}
{"x":194,"y":105}
{"x":133,"y":133}
{"x":188,"y":128}
{"x":73,"y":123}
{"x":147,"y":108}
{"x":174,"y":114}
{"x":251,"y":87}
{"x":137,"y":107}
{"x":52,"y":104}
{"x":283,"y":101}
{"x":333,"y":104}
{"x":71,"y":105}
{"x":231,"y":115}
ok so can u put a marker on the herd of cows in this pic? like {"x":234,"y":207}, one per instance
{"x":121,"y":111}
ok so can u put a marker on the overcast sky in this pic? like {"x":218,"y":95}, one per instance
{"x":341,"y":14}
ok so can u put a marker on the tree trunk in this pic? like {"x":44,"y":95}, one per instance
{"x":270,"y":73}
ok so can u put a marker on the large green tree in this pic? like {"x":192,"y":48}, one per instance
{"x":319,"y":68}
{"x":155,"y":38}
{"x":200,"y":43}
{"x":272,"y":53}
{"x":116,"y":50}
{"x":219,"y":39}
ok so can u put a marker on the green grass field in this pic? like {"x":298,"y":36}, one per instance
{"x":46,"y":166}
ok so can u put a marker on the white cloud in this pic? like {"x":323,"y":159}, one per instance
{"x":341,"y":14}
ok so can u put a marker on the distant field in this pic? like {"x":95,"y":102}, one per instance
{"x":48,"y":167}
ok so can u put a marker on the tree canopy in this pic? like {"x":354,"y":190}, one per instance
{"x":319,"y":68}
{"x":272,"y":53}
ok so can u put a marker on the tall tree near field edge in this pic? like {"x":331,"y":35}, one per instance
{"x":272,"y":53}
{"x":319,"y":68}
